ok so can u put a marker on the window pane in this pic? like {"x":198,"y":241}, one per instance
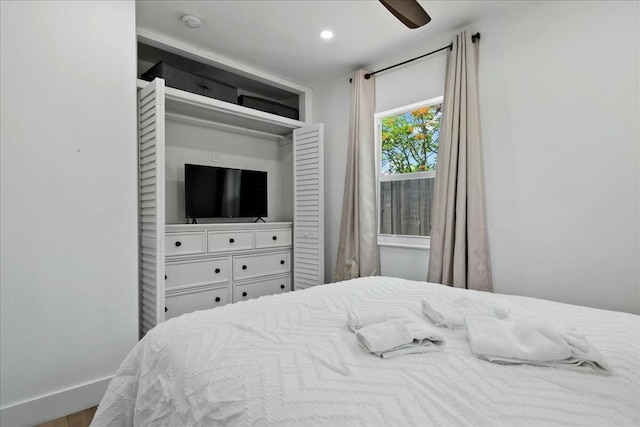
{"x":410,"y":140}
{"x":405,"y":207}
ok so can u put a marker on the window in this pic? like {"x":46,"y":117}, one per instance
{"x":407,"y":147}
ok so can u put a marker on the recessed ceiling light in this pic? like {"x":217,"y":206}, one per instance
{"x":191,"y":21}
{"x":326,"y":34}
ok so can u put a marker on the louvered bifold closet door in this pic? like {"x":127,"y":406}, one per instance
{"x":151,"y":203}
{"x":308,"y":244}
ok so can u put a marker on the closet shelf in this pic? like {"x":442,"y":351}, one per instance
{"x":212,"y":110}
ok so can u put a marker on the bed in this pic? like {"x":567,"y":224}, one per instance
{"x":291,"y":359}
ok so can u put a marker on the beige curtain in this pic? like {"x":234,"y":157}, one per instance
{"x":459,"y":254}
{"x":357,"y":247}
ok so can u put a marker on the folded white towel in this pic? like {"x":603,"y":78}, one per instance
{"x":523,"y":339}
{"x":360,"y":317}
{"x":395,"y":338}
{"x":532,"y":341}
{"x":576,"y":340}
{"x":451,"y":314}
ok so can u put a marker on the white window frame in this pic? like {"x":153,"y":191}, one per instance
{"x":399,"y":240}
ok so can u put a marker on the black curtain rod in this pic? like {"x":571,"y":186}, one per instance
{"x":367,"y":76}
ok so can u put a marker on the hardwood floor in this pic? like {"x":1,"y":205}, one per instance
{"x":79,"y":419}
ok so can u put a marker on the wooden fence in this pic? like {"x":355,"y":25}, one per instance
{"x":405,"y":207}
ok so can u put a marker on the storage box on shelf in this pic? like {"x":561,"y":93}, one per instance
{"x":268,"y":106}
{"x":209,"y":265}
{"x":178,"y":78}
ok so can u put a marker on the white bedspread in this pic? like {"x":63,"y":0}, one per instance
{"x":291,"y":360}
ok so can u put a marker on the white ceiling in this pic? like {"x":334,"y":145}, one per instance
{"x":282,"y":37}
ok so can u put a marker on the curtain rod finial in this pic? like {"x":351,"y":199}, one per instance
{"x":475,"y":37}
{"x":367,"y":76}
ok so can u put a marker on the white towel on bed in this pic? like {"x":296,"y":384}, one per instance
{"x":360,"y":317}
{"x":451,"y":314}
{"x":395,"y":338}
{"x":532,"y":341}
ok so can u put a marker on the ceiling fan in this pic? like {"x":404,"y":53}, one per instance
{"x":409,"y":12}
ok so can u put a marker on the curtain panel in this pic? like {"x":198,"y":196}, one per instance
{"x":358,"y":247}
{"x":459,"y":254}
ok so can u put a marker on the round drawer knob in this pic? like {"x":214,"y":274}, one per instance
{"x":178,"y":243}
{"x":244,"y":267}
{"x":244,"y":294}
{"x":165,"y":309}
{"x":275,"y":237}
{"x":217,"y":299}
{"x":281,"y":286}
{"x":281,"y":261}
{"x":231,"y":240}
{"x":217,"y":270}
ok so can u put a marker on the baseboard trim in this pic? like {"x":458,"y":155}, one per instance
{"x":55,"y":405}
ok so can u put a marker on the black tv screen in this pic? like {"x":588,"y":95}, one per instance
{"x":214,"y":192}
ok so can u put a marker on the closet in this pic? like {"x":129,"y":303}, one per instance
{"x":187,"y":267}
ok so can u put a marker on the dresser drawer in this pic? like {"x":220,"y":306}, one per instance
{"x":222,"y":241}
{"x":264,"y":287}
{"x":190,"y":273}
{"x":247,"y":266}
{"x":184,"y":243}
{"x":273,"y":238}
{"x":178,"y":304}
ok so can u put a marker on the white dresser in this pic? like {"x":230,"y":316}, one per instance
{"x":209,"y":265}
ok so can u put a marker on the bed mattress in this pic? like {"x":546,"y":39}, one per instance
{"x":291,"y":359}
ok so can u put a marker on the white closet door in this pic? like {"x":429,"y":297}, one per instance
{"x":151,"y":195}
{"x":308,"y":244}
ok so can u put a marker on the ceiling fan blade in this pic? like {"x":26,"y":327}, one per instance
{"x":409,"y":12}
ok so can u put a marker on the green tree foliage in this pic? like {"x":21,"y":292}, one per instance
{"x":410,"y":140}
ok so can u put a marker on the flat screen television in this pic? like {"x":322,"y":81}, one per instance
{"x":215,"y":192}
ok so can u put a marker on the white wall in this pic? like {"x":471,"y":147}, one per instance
{"x":68,"y":205}
{"x":559,"y":117}
{"x":195,"y":144}
{"x":331,"y":107}
{"x":414,"y":82}
{"x":285,"y":155}
{"x":559,"y":105}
